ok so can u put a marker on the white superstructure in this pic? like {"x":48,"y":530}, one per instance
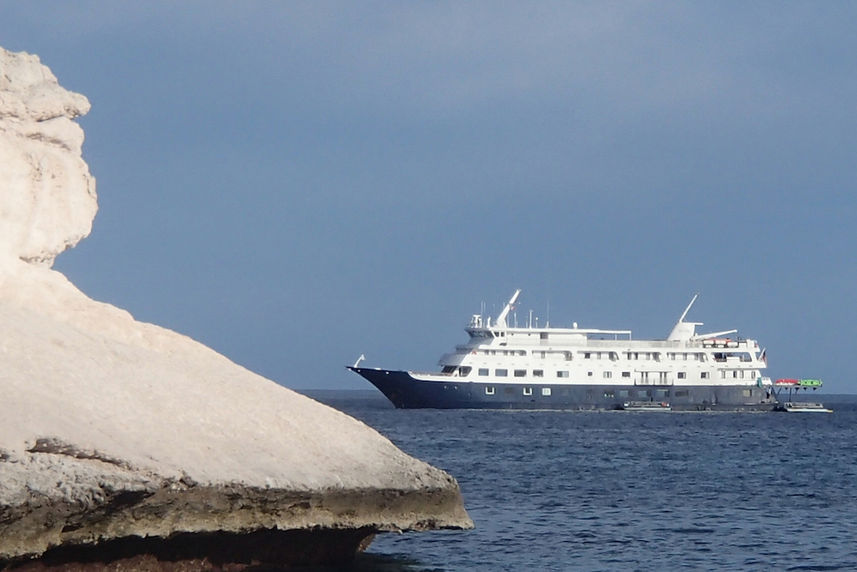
{"x":501,"y":354}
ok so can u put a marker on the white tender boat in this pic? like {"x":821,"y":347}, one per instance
{"x":805,"y":407}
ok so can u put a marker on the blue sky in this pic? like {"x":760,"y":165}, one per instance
{"x":295,"y":184}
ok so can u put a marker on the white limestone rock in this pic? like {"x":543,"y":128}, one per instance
{"x":48,"y":194}
{"x":112,"y":428}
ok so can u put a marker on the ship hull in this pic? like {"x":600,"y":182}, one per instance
{"x":406,"y":391}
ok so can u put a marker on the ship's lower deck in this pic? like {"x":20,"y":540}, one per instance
{"x":409,"y":392}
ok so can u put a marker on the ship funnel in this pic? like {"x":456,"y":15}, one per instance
{"x":501,"y":319}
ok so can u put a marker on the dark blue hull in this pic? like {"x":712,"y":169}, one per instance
{"x":408,"y":392}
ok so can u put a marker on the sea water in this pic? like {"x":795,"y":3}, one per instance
{"x":629,"y":490}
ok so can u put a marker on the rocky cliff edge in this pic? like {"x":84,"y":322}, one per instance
{"x":126,"y":443}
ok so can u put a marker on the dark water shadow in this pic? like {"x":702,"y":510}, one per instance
{"x":368,"y":562}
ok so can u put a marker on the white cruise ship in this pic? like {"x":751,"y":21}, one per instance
{"x":509,"y":367}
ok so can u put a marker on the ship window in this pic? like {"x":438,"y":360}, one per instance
{"x":520,"y":373}
{"x":623,"y":393}
{"x":546,"y":391}
{"x":562,"y":373}
{"x":528,"y":391}
{"x":734,"y":374}
{"x":543,"y":336}
{"x":464,"y":370}
{"x":722,"y":374}
{"x":483,"y":371}
{"x":626,"y":374}
{"x":489,"y":390}
{"x":589,"y":373}
{"x":448,"y":369}
{"x":609,"y":394}
{"x":538,"y":373}
{"x":748,"y":392}
{"x":703,"y":375}
{"x":608,"y":374}
{"x":587,"y":355}
{"x":680,"y":393}
{"x":501,"y":372}
{"x":681,"y":375}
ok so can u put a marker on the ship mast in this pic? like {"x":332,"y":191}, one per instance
{"x":501,"y":319}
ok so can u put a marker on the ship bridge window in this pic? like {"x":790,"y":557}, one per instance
{"x":501,"y":372}
{"x":464,"y":370}
{"x":448,"y":370}
{"x":483,"y":371}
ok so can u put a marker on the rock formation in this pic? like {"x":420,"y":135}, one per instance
{"x":126,"y":444}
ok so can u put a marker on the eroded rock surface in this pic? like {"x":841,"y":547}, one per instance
{"x":126,"y":441}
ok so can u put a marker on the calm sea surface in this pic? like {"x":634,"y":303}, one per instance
{"x":629,"y":490}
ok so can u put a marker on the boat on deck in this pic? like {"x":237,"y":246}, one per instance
{"x":504,"y":366}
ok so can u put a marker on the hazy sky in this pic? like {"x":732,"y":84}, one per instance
{"x":295,"y":184}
